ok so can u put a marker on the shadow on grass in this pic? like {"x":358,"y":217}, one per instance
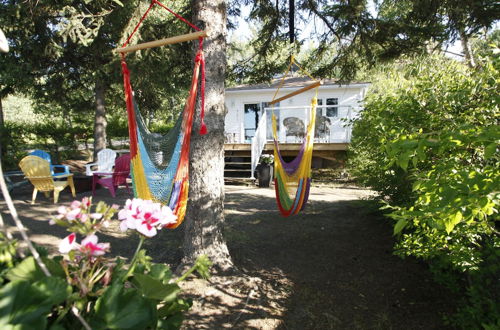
{"x":330,"y":267}
{"x":337,"y":257}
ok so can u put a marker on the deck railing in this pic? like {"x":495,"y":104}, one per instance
{"x":258,"y":142}
{"x":332,"y":126}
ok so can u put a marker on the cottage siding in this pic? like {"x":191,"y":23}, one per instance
{"x":236,"y":100}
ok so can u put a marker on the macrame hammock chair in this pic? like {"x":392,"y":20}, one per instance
{"x":160,"y":163}
{"x":292,"y":179}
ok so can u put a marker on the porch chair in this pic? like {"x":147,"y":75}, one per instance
{"x":119,"y":176}
{"x":294,"y":127}
{"x":37,"y":171}
{"x":44,"y":155}
{"x":322,"y":129}
{"x":105,"y":162}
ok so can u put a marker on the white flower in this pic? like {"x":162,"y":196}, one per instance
{"x":96,"y":216}
{"x":68,"y":243}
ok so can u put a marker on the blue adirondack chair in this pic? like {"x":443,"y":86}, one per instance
{"x":63,"y":169}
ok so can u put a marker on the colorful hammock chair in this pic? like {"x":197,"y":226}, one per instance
{"x":160,"y":163}
{"x":293,"y":179}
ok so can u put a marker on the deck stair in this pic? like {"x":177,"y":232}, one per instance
{"x":237,"y":167}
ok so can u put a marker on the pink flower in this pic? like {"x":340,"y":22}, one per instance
{"x":73,"y":214}
{"x":145,"y":216}
{"x":75,"y":204}
{"x":68,"y":243}
{"x":86,"y":202}
{"x":91,"y":247}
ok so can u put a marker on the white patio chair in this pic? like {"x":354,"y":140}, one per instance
{"x":104,"y":164}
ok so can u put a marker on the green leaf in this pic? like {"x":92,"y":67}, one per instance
{"x":54,"y":266}
{"x":160,"y":272}
{"x":172,"y":323}
{"x":120,"y":308}
{"x":57,"y":327}
{"x":26,"y":270}
{"x":400,"y":225}
{"x":404,"y":159}
{"x":489,"y":150}
{"x":26,"y":303}
{"x":155,"y":289}
{"x":56,"y":289}
{"x":177,"y":306}
{"x":452,"y":221}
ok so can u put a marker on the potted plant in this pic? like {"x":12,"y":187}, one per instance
{"x":265,"y":170}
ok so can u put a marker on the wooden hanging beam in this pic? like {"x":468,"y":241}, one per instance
{"x":162,"y":42}
{"x":298,"y":91}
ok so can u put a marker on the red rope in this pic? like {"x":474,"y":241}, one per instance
{"x":177,"y":15}
{"x":199,"y":57}
{"x":138,"y":24}
{"x":203,"y":128}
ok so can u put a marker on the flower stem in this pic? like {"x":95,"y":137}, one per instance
{"x":134,"y":259}
{"x":186,"y":274}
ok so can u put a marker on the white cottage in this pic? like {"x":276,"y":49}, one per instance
{"x":248,"y":118}
{"x":247,"y":104}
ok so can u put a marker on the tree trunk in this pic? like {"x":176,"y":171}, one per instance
{"x":291,"y":20}
{"x":205,"y":213}
{"x":464,"y":39}
{"x":100,"y":122}
{"x":1,"y":127}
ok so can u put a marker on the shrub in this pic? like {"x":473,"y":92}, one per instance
{"x":55,"y":138}
{"x":428,"y":142}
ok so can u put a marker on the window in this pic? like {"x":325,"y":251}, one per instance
{"x":269,"y":113}
{"x":332,"y":111}
{"x":251,"y":120}
{"x":319,"y":109}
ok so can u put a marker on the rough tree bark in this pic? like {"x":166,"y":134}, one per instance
{"x":205,"y":214}
{"x":464,"y":39}
{"x":1,"y":126}
{"x":100,"y":122}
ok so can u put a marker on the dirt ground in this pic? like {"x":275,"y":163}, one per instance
{"x":330,"y":267}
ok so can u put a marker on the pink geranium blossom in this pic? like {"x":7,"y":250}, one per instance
{"x":68,"y":243}
{"x":91,"y":247}
{"x":145,"y":216}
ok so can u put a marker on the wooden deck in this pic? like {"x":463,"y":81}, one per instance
{"x":238,"y":157}
{"x":322,"y":150}
{"x":286,"y":146}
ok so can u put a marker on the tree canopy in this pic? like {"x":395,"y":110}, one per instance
{"x":352,"y":35}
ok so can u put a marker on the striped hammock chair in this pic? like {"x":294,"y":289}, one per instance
{"x":292,"y":179}
{"x":160,"y":163}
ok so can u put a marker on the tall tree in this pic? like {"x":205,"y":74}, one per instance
{"x":205,"y":214}
{"x":63,"y":52}
{"x":354,"y":34}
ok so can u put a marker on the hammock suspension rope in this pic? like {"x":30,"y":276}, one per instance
{"x":160,"y":163}
{"x":292,"y":180}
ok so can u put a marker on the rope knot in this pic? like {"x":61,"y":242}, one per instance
{"x":199,"y":57}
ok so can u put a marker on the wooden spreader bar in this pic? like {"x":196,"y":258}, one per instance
{"x":299,"y":91}
{"x":162,"y":42}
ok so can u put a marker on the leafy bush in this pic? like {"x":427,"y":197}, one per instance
{"x":428,"y":142}
{"x":117,"y":127}
{"x":54,"y":137}
{"x":87,"y":290}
